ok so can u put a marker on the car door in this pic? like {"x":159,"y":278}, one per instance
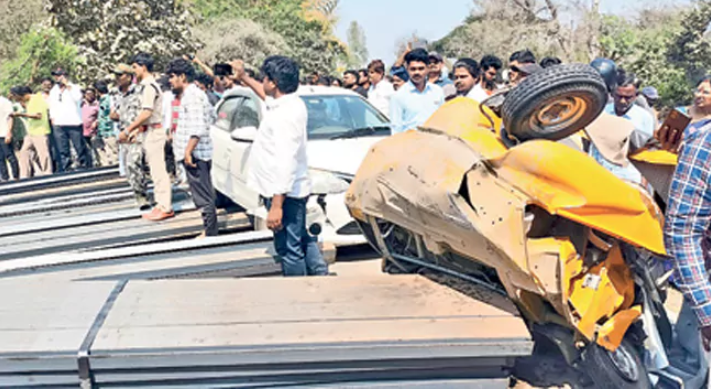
{"x":223,"y":145}
{"x":247,"y":114}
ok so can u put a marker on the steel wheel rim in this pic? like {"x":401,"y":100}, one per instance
{"x":624,"y":363}
{"x":559,"y":113}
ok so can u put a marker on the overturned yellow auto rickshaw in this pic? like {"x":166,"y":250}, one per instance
{"x":505,"y":198}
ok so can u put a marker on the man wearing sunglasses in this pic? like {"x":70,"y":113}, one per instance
{"x":64,"y":110}
{"x":517,"y":62}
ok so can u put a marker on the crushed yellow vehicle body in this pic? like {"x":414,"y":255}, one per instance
{"x":523,"y":212}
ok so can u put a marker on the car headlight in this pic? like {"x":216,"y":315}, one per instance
{"x":323,"y":182}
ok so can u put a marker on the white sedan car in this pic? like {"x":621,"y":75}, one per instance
{"x":342,"y":127}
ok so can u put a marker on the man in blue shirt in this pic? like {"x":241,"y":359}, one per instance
{"x":417,"y":99}
{"x":623,"y":106}
{"x":436,"y":65}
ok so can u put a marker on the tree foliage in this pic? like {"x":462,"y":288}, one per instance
{"x":227,"y":39}
{"x":309,"y":40}
{"x":16,"y":18}
{"x":357,"y":46}
{"x":40,"y":51}
{"x":665,"y":49}
{"x":503,"y":26}
{"x":322,"y":11}
{"x":666,"y":46}
{"x":108,"y":32}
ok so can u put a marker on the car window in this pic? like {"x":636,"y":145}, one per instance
{"x":226,"y":113}
{"x":333,"y":115}
{"x":247,"y":114}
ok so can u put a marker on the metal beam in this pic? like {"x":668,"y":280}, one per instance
{"x":55,"y":259}
{"x":58,"y":179}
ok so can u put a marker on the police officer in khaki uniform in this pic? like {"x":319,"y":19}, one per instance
{"x":149,"y":126}
{"x":127,"y":106}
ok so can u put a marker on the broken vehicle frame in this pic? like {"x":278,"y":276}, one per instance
{"x":572,"y":248}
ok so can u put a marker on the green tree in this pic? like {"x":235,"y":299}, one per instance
{"x":40,"y":51}
{"x":357,"y":46}
{"x":108,"y":32}
{"x":16,"y":18}
{"x":667,"y":50}
{"x":228,"y":39}
{"x":309,"y":40}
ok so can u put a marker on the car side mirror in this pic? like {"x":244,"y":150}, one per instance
{"x":244,"y":134}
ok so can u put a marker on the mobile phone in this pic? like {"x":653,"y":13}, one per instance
{"x":223,"y":69}
{"x":670,"y":134}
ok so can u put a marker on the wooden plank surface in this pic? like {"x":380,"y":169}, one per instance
{"x":251,"y":312}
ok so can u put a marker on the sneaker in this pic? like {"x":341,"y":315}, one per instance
{"x":158,"y":215}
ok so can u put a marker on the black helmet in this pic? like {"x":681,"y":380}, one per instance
{"x":608,"y":71}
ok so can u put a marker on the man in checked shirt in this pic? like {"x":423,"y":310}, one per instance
{"x":191,"y":142}
{"x":686,"y":234}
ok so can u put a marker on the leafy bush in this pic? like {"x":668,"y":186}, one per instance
{"x":40,"y":51}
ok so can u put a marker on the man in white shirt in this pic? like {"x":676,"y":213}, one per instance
{"x":278,"y":167}
{"x":489,"y":68}
{"x":7,"y":155}
{"x":65,"y":113}
{"x":381,"y":91}
{"x":466,"y":77}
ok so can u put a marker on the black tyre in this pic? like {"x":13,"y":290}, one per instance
{"x":622,"y":369}
{"x":554,"y":103}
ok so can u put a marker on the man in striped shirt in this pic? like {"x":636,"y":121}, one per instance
{"x":191,"y":141}
{"x":686,"y":236}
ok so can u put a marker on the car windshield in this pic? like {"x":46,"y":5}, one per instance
{"x":332,"y":116}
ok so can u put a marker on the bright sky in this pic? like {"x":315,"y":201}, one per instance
{"x":387,"y":21}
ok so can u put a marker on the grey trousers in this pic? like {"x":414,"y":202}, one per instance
{"x":687,"y":359}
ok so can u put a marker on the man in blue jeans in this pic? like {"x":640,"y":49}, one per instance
{"x":65,"y":112}
{"x":278,"y":165}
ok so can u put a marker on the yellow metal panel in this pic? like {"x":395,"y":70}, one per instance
{"x":465,"y":119}
{"x":613,"y":331}
{"x":567,"y":182}
{"x":598,"y":293}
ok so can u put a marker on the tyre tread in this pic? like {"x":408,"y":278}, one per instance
{"x":542,"y":86}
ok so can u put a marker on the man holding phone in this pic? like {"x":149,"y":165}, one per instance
{"x":65,"y":113}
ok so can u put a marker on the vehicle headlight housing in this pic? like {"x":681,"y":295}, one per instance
{"x":324,"y":182}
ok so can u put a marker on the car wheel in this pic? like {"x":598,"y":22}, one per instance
{"x":622,"y":369}
{"x":554,"y":103}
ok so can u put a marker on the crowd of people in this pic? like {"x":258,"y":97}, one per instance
{"x":158,"y":125}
